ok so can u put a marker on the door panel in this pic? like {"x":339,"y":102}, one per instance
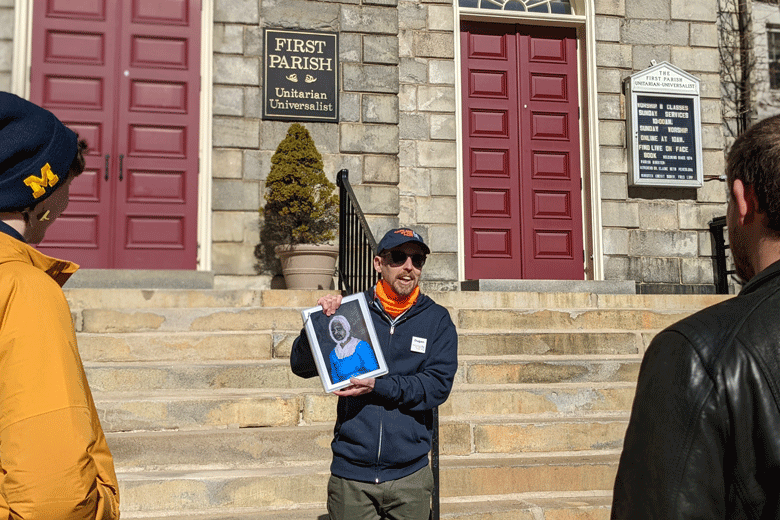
{"x":523,"y":211}
{"x":490,"y":115}
{"x":129,"y":79}
{"x":73,"y":67}
{"x":551,"y":195}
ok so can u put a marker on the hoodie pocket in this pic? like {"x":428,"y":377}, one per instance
{"x":405,"y":438}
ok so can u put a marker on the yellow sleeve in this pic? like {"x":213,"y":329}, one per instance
{"x":55,"y":460}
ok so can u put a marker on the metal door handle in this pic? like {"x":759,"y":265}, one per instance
{"x":107,"y":159}
{"x":121,"y":156}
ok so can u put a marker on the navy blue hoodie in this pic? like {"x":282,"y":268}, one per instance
{"x":386,"y":434}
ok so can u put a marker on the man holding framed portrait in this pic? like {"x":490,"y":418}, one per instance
{"x":384,"y":424}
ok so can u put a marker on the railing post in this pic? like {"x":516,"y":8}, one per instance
{"x":356,"y":242}
{"x":435,"y":499}
{"x":717,"y":225}
{"x":342,"y":225}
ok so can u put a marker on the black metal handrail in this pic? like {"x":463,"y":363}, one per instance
{"x":357,"y":246}
{"x":719,"y":246}
{"x":357,"y":249}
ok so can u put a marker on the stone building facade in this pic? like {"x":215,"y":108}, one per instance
{"x":400,"y":131}
{"x":765,"y":17}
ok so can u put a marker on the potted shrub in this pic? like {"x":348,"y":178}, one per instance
{"x":301,"y":213}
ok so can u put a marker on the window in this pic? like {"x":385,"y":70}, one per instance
{"x":773,"y":47}
{"x":531,"y":6}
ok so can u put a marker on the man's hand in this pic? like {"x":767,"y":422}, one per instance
{"x":358,"y":387}
{"x":329,"y":303}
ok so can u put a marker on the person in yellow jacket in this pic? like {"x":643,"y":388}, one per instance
{"x":54,"y":460}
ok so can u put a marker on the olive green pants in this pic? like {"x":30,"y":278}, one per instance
{"x":408,"y":498}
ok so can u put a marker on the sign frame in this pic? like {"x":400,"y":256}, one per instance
{"x":358,"y":329}
{"x":293,"y":61}
{"x":663,"y":144}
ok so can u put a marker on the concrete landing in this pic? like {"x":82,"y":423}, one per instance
{"x":140,"y":279}
{"x":579,"y":286}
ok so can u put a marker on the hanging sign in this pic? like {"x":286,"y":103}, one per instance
{"x":664,"y":128}
{"x":301,"y":76}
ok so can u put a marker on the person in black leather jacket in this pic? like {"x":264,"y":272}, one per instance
{"x":703,"y":440}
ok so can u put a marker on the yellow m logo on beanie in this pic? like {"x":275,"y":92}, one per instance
{"x":38,"y":185}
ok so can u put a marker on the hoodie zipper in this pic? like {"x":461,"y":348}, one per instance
{"x":379,"y":449}
{"x":393,"y":323}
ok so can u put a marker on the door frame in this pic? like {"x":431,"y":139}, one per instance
{"x":20,"y":85}
{"x":589,"y":129}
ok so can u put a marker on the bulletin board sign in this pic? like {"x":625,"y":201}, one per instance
{"x":664,"y":128}
{"x":301,"y":75}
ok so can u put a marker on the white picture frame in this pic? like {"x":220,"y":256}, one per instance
{"x":345,"y":344}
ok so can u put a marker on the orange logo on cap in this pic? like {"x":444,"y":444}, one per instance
{"x":406,"y":232}
{"x":38,"y":185}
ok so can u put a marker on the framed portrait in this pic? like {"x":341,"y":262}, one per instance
{"x":344,"y":345}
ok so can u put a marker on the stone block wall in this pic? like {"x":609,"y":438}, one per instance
{"x":428,"y":150}
{"x":6,"y":43}
{"x":763,"y":16}
{"x":398,"y":128}
{"x":658,"y":237}
{"x":396,"y":134}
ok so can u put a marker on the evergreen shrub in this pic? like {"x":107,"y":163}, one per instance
{"x":301,"y":202}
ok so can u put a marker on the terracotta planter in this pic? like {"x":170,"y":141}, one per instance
{"x":307,"y":266}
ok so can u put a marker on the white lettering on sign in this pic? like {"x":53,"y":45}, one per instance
{"x":300,"y":62}
{"x":293,"y":45}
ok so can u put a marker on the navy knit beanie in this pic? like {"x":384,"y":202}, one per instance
{"x":36,"y":151}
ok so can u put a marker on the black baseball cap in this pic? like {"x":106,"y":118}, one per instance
{"x":396,"y":237}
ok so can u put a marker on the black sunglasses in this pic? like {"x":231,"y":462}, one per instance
{"x":398,"y":258}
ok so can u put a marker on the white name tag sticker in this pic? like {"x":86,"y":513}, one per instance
{"x":419,"y":344}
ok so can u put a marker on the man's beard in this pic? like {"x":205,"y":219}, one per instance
{"x":741,"y":257}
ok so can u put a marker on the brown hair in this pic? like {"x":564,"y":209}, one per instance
{"x":754,"y":159}
{"x":79,"y":163}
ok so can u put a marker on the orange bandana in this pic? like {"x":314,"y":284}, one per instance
{"x":394,"y":304}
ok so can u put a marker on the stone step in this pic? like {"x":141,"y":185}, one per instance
{"x":104,"y":298}
{"x":304,"y":485}
{"x":107,"y":298}
{"x":222,"y":490}
{"x":521,"y":506}
{"x":192,"y":409}
{"x":528,"y":473}
{"x":266,"y":344}
{"x":234,"y":448}
{"x":538,"y":398}
{"x":163,"y":375}
{"x":534,"y":433}
{"x":203,"y":319}
{"x":497,"y":320}
{"x":182,"y":346}
{"x":309,"y":512}
{"x":553,"y":342}
{"x":198,"y":409}
{"x":482,"y":370}
{"x":590,"y":506}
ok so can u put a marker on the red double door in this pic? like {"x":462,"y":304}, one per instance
{"x":125,"y":75}
{"x":521,"y":154}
